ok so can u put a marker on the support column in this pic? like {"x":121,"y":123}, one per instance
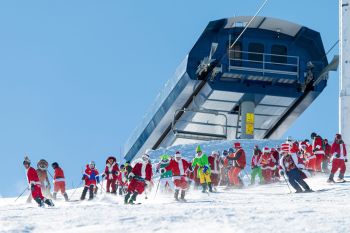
{"x":344,"y":71}
{"x":248,"y":118}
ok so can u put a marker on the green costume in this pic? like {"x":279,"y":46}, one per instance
{"x":164,"y":162}
{"x":203,"y":172}
{"x":256,"y":171}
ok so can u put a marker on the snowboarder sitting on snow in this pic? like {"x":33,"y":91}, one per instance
{"x":338,"y":151}
{"x":90,"y":177}
{"x":35,"y":184}
{"x":111,"y":173}
{"x":289,"y":165}
{"x":204,"y":170}
{"x":166,"y":175}
{"x":140,"y":177}
{"x":256,"y":166}
{"x":178,"y":167}
{"x":59,"y":181}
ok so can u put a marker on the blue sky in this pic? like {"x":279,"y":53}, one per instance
{"x":76,"y":77}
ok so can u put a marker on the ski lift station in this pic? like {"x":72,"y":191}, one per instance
{"x":239,"y":81}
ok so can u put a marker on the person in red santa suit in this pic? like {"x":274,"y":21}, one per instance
{"x":308,"y":155}
{"x":276,"y":155}
{"x":111,"y":173}
{"x":59,"y":181}
{"x":327,"y":156}
{"x":268,"y":164}
{"x":339,"y":158}
{"x":35,"y":185}
{"x":179,"y":166}
{"x":317,"y":148}
{"x":140,"y":177}
{"x":290,"y":165}
{"x":239,"y":164}
{"x":91,"y":178}
{"x":214,"y":162}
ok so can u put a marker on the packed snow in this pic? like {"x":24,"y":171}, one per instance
{"x":258,"y":208}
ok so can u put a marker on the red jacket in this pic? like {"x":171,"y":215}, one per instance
{"x":59,"y":175}
{"x":327,"y":151}
{"x":91,"y":176}
{"x":143,"y":170}
{"x":32,"y":176}
{"x":178,"y":168}
{"x":111,"y":171}
{"x":338,"y":149}
{"x":214,"y":164}
{"x":317,"y":146}
{"x":267,"y":161}
{"x":256,"y":161}
{"x":239,"y":158}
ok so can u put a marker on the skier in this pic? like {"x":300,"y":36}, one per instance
{"x":122,"y":180}
{"x":214,"y":162}
{"x":111,"y":173}
{"x":318,"y":149}
{"x":308,"y":155}
{"x":327,"y":156}
{"x":201,"y":160}
{"x":276,"y":155}
{"x":90,"y":177}
{"x":45,"y":186}
{"x":59,"y":181}
{"x":338,"y":151}
{"x":178,"y":167}
{"x":239,"y":164}
{"x":267,"y":164}
{"x":165,"y":181}
{"x":223,"y":170}
{"x":290,"y":166}
{"x":140,"y":177}
{"x":35,"y":185}
{"x":256,"y":166}
{"x":229,"y":166}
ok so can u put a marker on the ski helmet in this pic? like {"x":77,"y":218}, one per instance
{"x":54,"y":165}
{"x":26,"y":160}
{"x":313,"y":134}
{"x":92,"y":164}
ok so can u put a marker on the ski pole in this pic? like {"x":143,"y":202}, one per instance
{"x":50,"y":174}
{"x":81,"y":182}
{"x":246,"y":174}
{"x":22,"y":193}
{"x":157,"y":188}
{"x":290,"y":191}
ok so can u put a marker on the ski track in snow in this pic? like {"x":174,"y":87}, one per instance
{"x":264,"y":208}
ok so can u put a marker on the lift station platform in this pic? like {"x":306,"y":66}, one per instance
{"x":229,"y":86}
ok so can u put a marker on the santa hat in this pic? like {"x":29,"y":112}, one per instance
{"x":237,"y":145}
{"x":26,"y":160}
{"x":215,"y":152}
{"x":285,"y":147}
{"x":177,"y":154}
{"x":266,"y":150}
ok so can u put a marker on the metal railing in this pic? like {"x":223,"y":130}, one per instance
{"x":263,"y":63}
{"x":202,"y":132}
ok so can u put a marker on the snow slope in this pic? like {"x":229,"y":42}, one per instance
{"x":264,"y":208}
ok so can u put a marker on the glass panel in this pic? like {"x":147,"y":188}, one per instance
{"x":279,"y":50}
{"x":256,"y":51}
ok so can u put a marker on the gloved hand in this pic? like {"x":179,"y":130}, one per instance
{"x":162,"y":170}
{"x":103,"y":176}
{"x":32,"y":187}
{"x":83,"y":178}
{"x":205,"y":168}
{"x":131,"y":175}
{"x":147,"y":182}
{"x":314,"y":150}
{"x":281,"y":172}
{"x":157,"y":171}
{"x":337,"y":156}
{"x":345,"y":160}
{"x":190,"y":168}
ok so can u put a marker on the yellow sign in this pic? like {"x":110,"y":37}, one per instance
{"x":250,"y":118}
{"x":249,"y":129}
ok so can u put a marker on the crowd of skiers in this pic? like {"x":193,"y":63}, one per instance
{"x":293,"y":160}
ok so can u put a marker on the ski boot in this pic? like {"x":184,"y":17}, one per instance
{"x":126,"y":198}
{"x":83,"y":194}
{"x":65,"y":197}
{"x":330,"y":179}
{"x":40,"y":202}
{"x":182,"y":197}
{"x":49,"y":202}
{"x":176,"y":194}
{"x":204,"y":186}
{"x":210,"y":187}
{"x":133,"y":198}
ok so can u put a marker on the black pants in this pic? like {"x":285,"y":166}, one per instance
{"x":295,"y":179}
